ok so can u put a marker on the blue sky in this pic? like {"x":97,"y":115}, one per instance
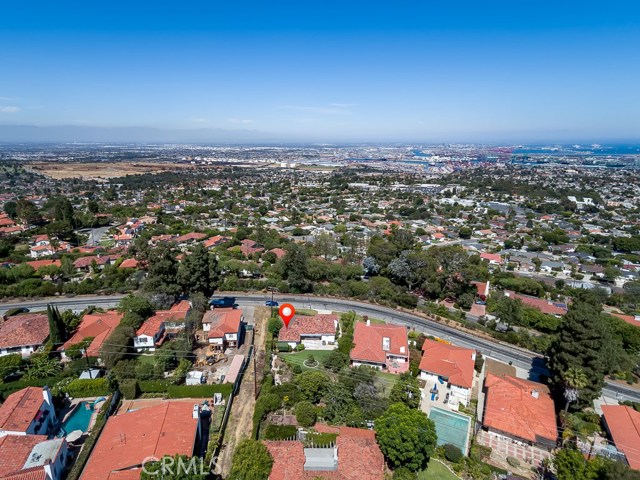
{"x":333,"y":71}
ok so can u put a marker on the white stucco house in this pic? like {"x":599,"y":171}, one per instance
{"x":315,"y":333}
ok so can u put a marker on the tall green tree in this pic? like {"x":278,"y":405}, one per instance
{"x":295,"y":269}
{"x":163,"y":272}
{"x":406,"y":390}
{"x":580,"y":343}
{"x":575,"y":380}
{"x":194,"y":273}
{"x":251,"y":461}
{"x":407,"y":437}
{"x":56,"y":326}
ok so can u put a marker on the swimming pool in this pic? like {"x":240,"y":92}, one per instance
{"x":451,"y":427}
{"x":79,"y":418}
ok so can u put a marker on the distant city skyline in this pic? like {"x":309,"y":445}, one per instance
{"x":326,"y":72}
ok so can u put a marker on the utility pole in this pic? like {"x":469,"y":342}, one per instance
{"x":255,"y":375}
{"x":86,"y":357}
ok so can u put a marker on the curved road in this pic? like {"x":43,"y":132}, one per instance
{"x":523,"y":359}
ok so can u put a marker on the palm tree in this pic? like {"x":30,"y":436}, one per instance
{"x":574,"y":380}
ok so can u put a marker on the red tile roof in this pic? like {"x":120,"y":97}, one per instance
{"x":215,"y":241}
{"x":538,"y":303}
{"x":20,"y":409}
{"x":226,"y":324}
{"x":96,"y":325}
{"x":454,"y":363}
{"x":23,"y":330}
{"x":14,"y":452}
{"x":368,"y":342}
{"x":131,"y":437}
{"x":322,"y":324}
{"x":279,"y":252}
{"x":151,"y":326}
{"x":623,"y":423}
{"x":195,"y":236}
{"x":37,"y":264}
{"x":630,"y":319}
{"x":359,"y":457}
{"x":492,"y":257}
{"x":512,"y":408}
{"x":129,"y":263}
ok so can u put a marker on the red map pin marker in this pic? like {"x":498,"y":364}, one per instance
{"x":286,"y":313}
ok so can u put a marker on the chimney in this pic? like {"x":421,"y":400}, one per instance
{"x":196,"y":411}
{"x":368,"y":322}
{"x":46,"y":395}
{"x":535,"y":393}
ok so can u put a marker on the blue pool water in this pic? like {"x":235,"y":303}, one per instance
{"x":79,"y":418}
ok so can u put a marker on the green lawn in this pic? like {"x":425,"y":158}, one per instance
{"x":386,"y":381}
{"x":436,"y":471}
{"x":298,"y":358}
{"x":374,"y":321}
{"x":306,"y":312}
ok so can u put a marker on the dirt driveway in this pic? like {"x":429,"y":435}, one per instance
{"x":240,"y":424}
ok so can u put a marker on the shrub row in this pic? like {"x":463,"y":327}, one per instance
{"x":153,"y":386}
{"x":7,"y":389}
{"x":88,"y":388}
{"x":199,"y":391}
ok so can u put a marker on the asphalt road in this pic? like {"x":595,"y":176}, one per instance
{"x":523,"y":359}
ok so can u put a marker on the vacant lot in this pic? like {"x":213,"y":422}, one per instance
{"x":104,"y":170}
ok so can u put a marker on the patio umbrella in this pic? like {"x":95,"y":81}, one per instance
{"x":74,"y":436}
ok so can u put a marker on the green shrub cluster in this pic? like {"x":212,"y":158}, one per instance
{"x":129,"y":388}
{"x":280,"y":432}
{"x":88,"y":388}
{"x":199,"y":391}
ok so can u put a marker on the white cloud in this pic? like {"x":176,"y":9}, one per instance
{"x":243,"y":121}
{"x":9,"y":109}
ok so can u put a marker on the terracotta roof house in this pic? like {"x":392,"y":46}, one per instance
{"x":448,"y":367}
{"x":630,"y":319}
{"x":224,"y":328}
{"x":129,"y":438}
{"x":192,"y":237}
{"x":23,"y":334}
{"x":519,"y":418}
{"x":129,"y":263}
{"x":38,"y":264}
{"x":85,"y":263}
{"x":492,"y":258}
{"x":623,"y":424}
{"x":384,"y":347}
{"x":98,"y":326}
{"x":151,"y":334}
{"x":32,"y":457}
{"x":278,"y":252}
{"x":215,"y":241}
{"x":355,"y":456}
{"x":249,"y":247}
{"x":315,"y":333}
{"x":29,"y":411}
{"x":545,"y":306}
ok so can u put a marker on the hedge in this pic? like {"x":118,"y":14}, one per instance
{"x":153,"y":386}
{"x":88,"y":388}
{"x":280,"y":432}
{"x":283,"y":347}
{"x":7,"y":389}
{"x":129,"y":388}
{"x":199,"y":391}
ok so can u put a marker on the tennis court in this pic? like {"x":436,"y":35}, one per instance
{"x":451,"y":428}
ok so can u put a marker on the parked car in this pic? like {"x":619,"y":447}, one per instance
{"x":271,"y":303}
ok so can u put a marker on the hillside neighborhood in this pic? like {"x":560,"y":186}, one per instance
{"x":407,"y":294}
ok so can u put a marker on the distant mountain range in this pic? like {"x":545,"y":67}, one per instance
{"x":73,"y":133}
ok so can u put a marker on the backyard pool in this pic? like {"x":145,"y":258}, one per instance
{"x":79,"y":418}
{"x":451,"y":428}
